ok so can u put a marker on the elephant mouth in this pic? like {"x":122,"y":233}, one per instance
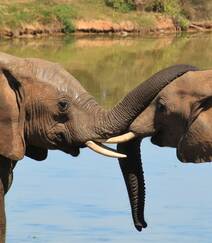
{"x":73,"y":150}
{"x":96,"y":147}
{"x":64,"y":142}
{"x":157,"y":139}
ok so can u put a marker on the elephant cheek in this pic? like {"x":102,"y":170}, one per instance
{"x":188,"y":151}
{"x":143,"y":125}
{"x":196,"y":145}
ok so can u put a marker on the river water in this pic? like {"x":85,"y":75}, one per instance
{"x":83,"y":199}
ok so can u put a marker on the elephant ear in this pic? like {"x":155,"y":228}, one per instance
{"x":12,"y":115}
{"x":196,"y":144}
{"x":133,"y":174}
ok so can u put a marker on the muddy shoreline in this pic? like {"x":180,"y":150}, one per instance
{"x":163,"y":25}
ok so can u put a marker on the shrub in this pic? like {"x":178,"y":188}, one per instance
{"x":42,"y":11}
{"x":182,"y":22}
{"x":155,"y":6}
{"x":172,"y":8}
{"x":64,"y":14}
{"x":121,"y":5}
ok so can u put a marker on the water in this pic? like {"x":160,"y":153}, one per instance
{"x":65,"y":199}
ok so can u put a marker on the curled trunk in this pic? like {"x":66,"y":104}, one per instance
{"x":121,"y":116}
{"x":92,"y":122}
{"x":101,"y":124}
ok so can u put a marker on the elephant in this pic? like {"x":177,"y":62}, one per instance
{"x":180,"y":116}
{"x":43,"y":107}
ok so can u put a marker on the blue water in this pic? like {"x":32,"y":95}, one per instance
{"x":65,"y":199}
{"x":84,"y":199}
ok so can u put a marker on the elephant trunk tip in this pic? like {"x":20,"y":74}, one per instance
{"x":139,"y":226}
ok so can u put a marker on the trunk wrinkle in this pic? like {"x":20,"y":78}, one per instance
{"x":133,"y":174}
{"x":121,"y":116}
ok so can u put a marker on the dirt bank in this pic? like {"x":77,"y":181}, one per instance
{"x":162,"y":25}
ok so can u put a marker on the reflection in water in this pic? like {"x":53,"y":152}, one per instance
{"x":84,"y":199}
{"x":109,"y":68}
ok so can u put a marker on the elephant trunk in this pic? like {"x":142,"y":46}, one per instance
{"x":133,"y":174}
{"x":118,"y":119}
{"x":107,"y":124}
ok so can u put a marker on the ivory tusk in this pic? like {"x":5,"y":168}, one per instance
{"x":102,"y":149}
{"x":122,"y":138}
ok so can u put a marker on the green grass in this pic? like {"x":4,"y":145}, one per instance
{"x":173,"y":8}
{"x":97,"y":9}
{"x":121,"y":5}
{"x":16,"y":14}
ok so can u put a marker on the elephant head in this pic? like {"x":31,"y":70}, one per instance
{"x":179,"y":116}
{"x":42,"y":107}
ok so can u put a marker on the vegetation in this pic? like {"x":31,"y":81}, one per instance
{"x":18,"y":13}
{"x":121,"y":5}
{"x":172,"y":8}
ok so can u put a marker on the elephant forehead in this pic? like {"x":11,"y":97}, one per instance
{"x":55,"y":75}
{"x":197,"y":83}
{"x":43,"y":71}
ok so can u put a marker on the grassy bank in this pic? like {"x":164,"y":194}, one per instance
{"x":16,"y":14}
{"x":63,"y":15}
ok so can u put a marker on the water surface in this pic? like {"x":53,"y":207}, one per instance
{"x":65,"y":199}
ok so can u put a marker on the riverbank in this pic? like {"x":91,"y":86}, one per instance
{"x":35,"y":18}
{"x":163,"y":25}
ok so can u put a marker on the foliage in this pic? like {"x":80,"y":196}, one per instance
{"x":171,"y":7}
{"x":197,"y":9}
{"x":182,"y":22}
{"x":121,"y":5}
{"x":155,"y":6}
{"x":43,"y":12}
{"x":63,"y":13}
{"x":17,"y":13}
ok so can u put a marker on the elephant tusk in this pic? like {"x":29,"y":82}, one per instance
{"x":122,"y":138}
{"x":102,"y":149}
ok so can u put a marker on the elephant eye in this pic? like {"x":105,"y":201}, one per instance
{"x":161,"y":107}
{"x":63,"y":105}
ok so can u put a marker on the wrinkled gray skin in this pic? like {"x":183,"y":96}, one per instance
{"x":43,"y":107}
{"x":180,"y":116}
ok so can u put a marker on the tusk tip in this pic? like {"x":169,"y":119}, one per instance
{"x":102,"y":149}
{"x":123,"y":156}
{"x":122,"y":138}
